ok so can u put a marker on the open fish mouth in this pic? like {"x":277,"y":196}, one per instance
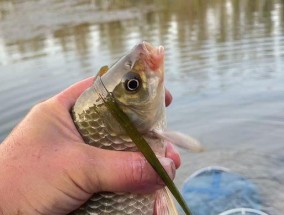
{"x":152,"y":56}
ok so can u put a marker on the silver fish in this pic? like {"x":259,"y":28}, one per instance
{"x":137,"y":83}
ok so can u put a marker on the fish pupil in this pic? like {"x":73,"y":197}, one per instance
{"x":132,"y":84}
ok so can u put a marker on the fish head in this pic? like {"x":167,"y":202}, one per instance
{"x":137,"y":83}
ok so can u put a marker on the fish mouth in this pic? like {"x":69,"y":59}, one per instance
{"x":153,"y":56}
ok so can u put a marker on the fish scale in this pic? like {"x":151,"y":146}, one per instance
{"x":94,"y":133}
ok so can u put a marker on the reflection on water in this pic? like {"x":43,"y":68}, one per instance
{"x":223,"y":64}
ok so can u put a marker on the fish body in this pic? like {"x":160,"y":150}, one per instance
{"x":136,"y":82}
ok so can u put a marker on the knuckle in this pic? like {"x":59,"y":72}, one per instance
{"x":40,"y":107}
{"x":138,"y":170}
{"x":79,"y":166}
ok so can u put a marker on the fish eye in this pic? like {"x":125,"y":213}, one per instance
{"x":132,"y":82}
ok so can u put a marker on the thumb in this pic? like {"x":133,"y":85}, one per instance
{"x":119,"y":171}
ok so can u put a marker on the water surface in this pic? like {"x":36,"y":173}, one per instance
{"x":224,"y":66}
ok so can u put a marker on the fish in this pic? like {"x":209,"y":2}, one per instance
{"x":136,"y":82}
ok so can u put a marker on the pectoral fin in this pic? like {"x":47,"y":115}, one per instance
{"x":164,"y":204}
{"x":180,"y":139}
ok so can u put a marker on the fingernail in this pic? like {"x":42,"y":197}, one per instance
{"x":169,"y":166}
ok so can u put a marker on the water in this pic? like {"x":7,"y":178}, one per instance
{"x":224,"y":66}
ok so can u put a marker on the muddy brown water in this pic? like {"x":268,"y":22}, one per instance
{"x":224,"y":66}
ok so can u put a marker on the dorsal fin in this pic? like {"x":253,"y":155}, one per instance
{"x":102,"y":71}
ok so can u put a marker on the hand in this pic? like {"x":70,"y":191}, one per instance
{"x":45,"y":167}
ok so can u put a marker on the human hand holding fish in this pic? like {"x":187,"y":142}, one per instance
{"x":46,"y":169}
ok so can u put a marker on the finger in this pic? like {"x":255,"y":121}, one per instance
{"x":69,"y":96}
{"x":168,"y":98}
{"x":173,"y":154}
{"x":124,"y":171}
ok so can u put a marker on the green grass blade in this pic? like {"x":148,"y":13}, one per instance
{"x":144,"y":147}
